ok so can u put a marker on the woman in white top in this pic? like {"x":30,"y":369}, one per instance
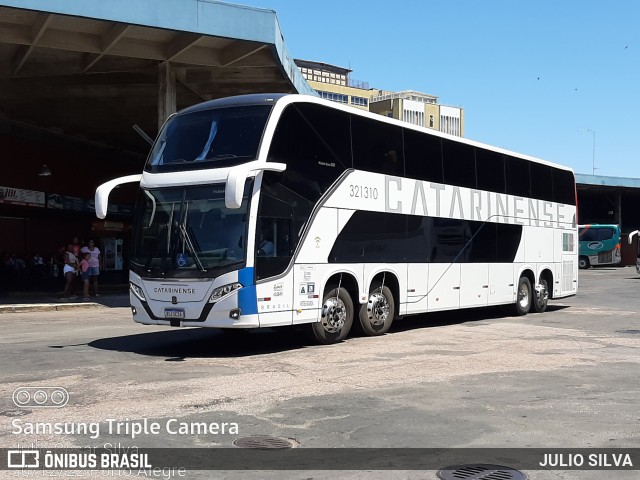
{"x":69,"y":269}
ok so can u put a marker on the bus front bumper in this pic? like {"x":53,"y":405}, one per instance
{"x":225,"y":313}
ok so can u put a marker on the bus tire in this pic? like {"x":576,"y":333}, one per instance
{"x":376,"y":316}
{"x":583,"y":263}
{"x":539,"y":302}
{"x":336,"y":317}
{"x":523,"y":296}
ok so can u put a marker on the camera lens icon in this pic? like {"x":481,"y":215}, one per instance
{"x":40,"y":397}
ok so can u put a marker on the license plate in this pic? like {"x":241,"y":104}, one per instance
{"x":174,"y":313}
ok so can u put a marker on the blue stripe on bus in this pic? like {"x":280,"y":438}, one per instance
{"x":247,"y":296}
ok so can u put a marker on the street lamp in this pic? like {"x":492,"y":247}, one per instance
{"x":593,"y":150}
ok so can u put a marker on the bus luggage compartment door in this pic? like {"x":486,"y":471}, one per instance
{"x":474,"y":284}
{"x":444,"y":286}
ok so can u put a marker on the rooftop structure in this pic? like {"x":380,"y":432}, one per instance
{"x":405,"y":95}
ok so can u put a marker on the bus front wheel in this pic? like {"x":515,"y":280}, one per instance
{"x":523,"y":296}
{"x":336,"y":317}
{"x":377,"y":314}
{"x":583,"y":263}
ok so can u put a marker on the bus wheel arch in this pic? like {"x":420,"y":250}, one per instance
{"x":543,"y":291}
{"x":524,"y":292}
{"x":337,"y":311}
{"x":377,"y":315}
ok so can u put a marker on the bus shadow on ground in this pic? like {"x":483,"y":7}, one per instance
{"x":471,"y":315}
{"x":178,"y":345}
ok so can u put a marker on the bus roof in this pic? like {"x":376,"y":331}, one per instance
{"x":599,"y":225}
{"x":272,"y":99}
{"x":236,"y":101}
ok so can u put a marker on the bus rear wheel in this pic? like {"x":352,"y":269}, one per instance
{"x":583,"y":263}
{"x":541,"y":298}
{"x":376,"y":316}
{"x":523,"y":296}
{"x":336,"y":317}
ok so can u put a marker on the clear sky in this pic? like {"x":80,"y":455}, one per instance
{"x":532,"y":76}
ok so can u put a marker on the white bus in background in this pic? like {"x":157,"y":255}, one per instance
{"x":273,"y":210}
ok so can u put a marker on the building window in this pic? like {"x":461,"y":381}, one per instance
{"x":413,"y":117}
{"x":431,"y":121}
{"x":359,"y":101}
{"x":334,"y":97}
{"x":450,"y":125}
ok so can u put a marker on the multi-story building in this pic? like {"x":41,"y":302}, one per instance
{"x":334,"y":83}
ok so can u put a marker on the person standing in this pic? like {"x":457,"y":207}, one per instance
{"x":69,"y":269}
{"x":58,"y":262}
{"x":84,"y":269}
{"x":76,"y":247}
{"x":95,"y":263}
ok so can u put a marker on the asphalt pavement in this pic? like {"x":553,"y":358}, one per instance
{"x":458,"y":380}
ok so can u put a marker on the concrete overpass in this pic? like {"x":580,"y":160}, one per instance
{"x":77,"y":76}
{"x":95,"y":68}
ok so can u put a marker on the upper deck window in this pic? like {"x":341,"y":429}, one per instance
{"x":214,"y":138}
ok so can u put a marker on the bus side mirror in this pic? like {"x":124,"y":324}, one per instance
{"x":630,"y":239}
{"x":103,"y":191}
{"x":238,"y":176}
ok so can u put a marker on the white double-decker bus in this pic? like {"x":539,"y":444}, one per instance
{"x":273,"y":210}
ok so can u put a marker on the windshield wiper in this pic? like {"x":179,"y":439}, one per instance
{"x":189,"y":243}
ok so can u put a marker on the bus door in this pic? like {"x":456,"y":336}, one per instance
{"x":569,"y":282}
{"x":274,"y":286}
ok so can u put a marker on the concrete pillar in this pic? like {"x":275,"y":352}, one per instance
{"x":166,"y":92}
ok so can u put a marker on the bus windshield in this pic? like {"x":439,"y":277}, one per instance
{"x":212,"y":138}
{"x":188,"y":232}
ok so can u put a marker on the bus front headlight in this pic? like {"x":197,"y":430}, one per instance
{"x":221,"y":292}
{"x":137,"y":291}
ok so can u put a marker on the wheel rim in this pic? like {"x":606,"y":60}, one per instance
{"x":334,"y":314}
{"x":544,"y":296}
{"x":523,"y":296}
{"x":377,"y":309}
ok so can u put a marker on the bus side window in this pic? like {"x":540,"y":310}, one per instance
{"x":490,"y":170}
{"x":518,"y":177}
{"x":541,"y":181}
{"x":377,"y":146}
{"x":563,"y":187}
{"x":423,"y":156}
{"x":315,"y":152}
{"x":462,"y":170}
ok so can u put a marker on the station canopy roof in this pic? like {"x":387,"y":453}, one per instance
{"x":90,"y":69}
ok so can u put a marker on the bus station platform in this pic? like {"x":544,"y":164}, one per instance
{"x":111,"y":296}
